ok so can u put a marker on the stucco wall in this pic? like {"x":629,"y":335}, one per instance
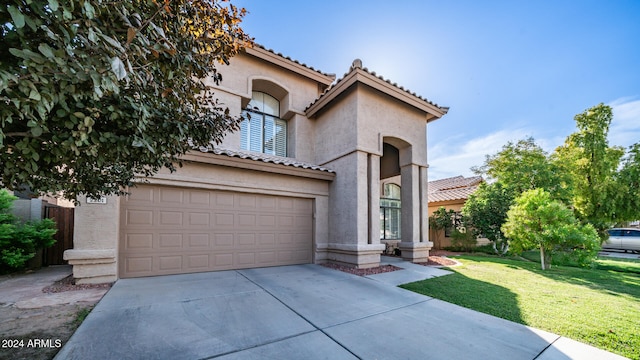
{"x":336,"y":129}
{"x":295,"y":92}
{"x":381,"y":116}
{"x":438,"y":238}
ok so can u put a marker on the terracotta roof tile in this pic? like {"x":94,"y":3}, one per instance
{"x":263,"y":157}
{"x":453,"y":188}
{"x":293,"y":60}
{"x":454,"y":182}
{"x":452,"y":194}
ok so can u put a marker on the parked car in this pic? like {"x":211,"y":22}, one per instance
{"x":623,"y":239}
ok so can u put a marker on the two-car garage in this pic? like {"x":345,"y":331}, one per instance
{"x":173,"y":230}
{"x":222,"y":210}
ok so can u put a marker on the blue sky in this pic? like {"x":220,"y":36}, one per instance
{"x":506,"y":69}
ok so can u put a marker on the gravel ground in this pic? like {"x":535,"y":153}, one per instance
{"x":68,"y":284}
{"x":433,"y":261}
{"x":38,"y":333}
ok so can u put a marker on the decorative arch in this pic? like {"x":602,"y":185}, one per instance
{"x":274,"y":88}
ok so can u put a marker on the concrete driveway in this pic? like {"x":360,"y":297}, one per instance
{"x":298,"y":312}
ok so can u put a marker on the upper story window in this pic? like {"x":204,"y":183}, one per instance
{"x":263,"y":130}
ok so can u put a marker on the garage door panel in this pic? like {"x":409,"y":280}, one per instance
{"x":224,"y":220}
{"x":246,"y":201}
{"x":266,"y":240}
{"x":199,"y":198}
{"x":138,"y":265}
{"x":267,"y":203}
{"x":170,"y":230}
{"x":246,"y":259}
{"x":223,"y":260}
{"x":221,"y":240}
{"x":171,"y":196}
{"x":199,"y":219}
{"x":246,"y":240}
{"x":199,"y":240}
{"x":170,"y":262}
{"x":171,"y":218}
{"x":138,"y":241}
{"x":247,"y":220}
{"x":200,"y":261}
{"x":170,"y":241}
{"x":224,"y":199}
{"x":139,"y":217}
{"x":141,"y":194}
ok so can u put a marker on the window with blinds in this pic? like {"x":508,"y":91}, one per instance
{"x":262,"y":130}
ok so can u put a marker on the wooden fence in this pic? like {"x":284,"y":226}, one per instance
{"x":63,"y":217}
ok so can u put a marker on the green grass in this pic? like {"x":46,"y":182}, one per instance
{"x":601,"y":263}
{"x":598,"y":306}
{"x":81,"y":315}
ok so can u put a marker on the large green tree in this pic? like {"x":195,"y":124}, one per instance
{"x":486,"y":210}
{"x":592,"y":165}
{"x":628,"y":195}
{"x":538,"y":221}
{"x":96,"y":92}
{"x":522,"y":166}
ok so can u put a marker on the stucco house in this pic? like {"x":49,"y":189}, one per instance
{"x":301,"y":182}
{"x":451,"y":193}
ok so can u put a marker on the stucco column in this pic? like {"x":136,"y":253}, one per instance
{"x":95,"y":240}
{"x":412,"y":246}
{"x":374,"y":198}
{"x":424,"y":206}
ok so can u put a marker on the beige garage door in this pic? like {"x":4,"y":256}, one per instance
{"x":172,"y":230}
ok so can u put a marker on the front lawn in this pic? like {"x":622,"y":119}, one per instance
{"x":598,"y":306}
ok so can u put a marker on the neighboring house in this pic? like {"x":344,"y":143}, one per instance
{"x":301,"y":182}
{"x":450,"y":193}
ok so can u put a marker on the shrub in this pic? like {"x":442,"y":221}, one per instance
{"x":19,"y":242}
{"x":464,"y":239}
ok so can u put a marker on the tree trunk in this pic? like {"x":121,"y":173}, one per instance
{"x":545,"y":259}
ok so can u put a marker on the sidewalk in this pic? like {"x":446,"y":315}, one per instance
{"x":24,"y":291}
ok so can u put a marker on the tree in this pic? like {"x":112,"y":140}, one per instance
{"x":439,"y":221}
{"x":537,"y":221}
{"x":522,"y":166}
{"x":486,"y":210}
{"x":628,"y":178}
{"x":94,"y":93}
{"x":592,"y":166}
{"x":19,"y":242}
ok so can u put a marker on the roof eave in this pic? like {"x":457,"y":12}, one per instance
{"x":359,"y":75}
{"x":261,"y":53}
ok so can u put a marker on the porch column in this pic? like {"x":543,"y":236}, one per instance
{"x":424,"y":207}
{"x":373,"y":175}
{"x":95,"y":241}
{"x":413,"y":246}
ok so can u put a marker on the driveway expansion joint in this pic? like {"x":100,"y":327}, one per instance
{"x":547,"y":347}
{"x":302,"y":317}
{"x":257,"y":345}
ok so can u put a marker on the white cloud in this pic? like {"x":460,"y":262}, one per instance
{"x":625,"y":127}
{"x":454,"y":156}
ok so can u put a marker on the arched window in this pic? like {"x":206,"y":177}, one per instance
{"x":390,"y":206}
{"x":262,"y":130}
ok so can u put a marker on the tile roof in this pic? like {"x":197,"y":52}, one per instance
{"x":453,"y":188}
{"x":293,"y":60}
{"x":279,"y":160}
{"x":357,"y":64}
